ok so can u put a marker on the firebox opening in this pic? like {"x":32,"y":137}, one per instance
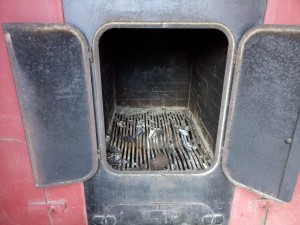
{"x":162,"y":92}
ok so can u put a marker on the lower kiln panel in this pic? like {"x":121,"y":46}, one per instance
{"x":158,"y":198}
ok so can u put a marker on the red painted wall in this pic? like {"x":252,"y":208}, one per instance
{"x":247,"y":207}
{"x":283,"y":12}
{"x":20,"y":202}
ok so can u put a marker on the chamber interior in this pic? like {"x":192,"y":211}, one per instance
{"x":162,"y":92}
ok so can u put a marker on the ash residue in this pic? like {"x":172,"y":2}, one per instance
{"x":136,"y":134}
{"x":114,"y":156}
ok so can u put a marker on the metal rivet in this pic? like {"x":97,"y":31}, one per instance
{"x":288,"y":140}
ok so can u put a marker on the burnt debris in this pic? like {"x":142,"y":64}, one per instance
{"x":155,"y":139}
{"x":160,"y":162}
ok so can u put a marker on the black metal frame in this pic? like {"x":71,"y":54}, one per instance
{"x":164,"y":25}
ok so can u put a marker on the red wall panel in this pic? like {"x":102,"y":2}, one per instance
{"x":20,"y":201}
{"x":283,"y":12}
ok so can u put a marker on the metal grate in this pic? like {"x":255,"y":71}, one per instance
{"x":155,"y":139}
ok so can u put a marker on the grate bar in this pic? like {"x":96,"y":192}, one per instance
{"x":164,"y":137}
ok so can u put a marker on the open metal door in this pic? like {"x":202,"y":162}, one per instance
{"x":51,"y":71}
{"x":262,"y":142}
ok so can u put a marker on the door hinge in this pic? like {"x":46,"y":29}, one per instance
{"x":91,"y":59}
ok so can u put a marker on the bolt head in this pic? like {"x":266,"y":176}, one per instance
{"x":288,"y":141}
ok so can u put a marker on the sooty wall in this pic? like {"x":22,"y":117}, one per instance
{"x":208,"y":72}
{"x":165,"y":67}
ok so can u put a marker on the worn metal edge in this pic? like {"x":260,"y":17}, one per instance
{"x":6,"y":28}
{"x":293,"y":157}
{"x":235,"y":84}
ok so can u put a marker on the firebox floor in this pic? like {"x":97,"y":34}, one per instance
{"x":156,"y":139}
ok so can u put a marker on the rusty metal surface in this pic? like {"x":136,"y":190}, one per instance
{"x":52,"y":78}
{"x":264,"y":110}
